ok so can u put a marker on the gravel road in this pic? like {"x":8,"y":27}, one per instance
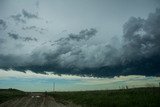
{"x":35,"y":100}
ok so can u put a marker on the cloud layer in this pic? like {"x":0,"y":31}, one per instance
{"x":139,"y":52}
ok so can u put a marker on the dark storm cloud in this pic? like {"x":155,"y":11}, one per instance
{"x":10,"y":61}
{"x":28,"y":15}
{"x":141,"y":49}
{"x":3,"y":25}
{"x":16,"y":37}
{"x":71,"y":58}
{"x":138,"y":54}
{"x":142,"y":37}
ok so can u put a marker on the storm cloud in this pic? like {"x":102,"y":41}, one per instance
{"x":142,"y":36}
{"x":139,"y":52}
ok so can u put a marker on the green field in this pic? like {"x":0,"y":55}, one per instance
{"x":7,"y":94}
{"x":139,"y":97}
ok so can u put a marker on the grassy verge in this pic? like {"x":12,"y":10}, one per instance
{"x":7,"y":94}
{"x":140,"y":97}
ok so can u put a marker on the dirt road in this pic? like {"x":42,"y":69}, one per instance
{"x":35,"y":100}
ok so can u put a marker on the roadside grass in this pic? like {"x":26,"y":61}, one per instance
{"x":7,"y":94}
{"x":137,"y":97}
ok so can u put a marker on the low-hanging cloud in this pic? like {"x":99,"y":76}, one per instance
{"x":139,"y":52}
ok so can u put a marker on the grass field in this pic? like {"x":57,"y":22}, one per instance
{"x":139,"y":97}
{"x":7,"y":94}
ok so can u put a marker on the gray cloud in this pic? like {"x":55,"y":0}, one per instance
{"x":18,"y":18}
{"x":2,"y":41}
{"x":65,"y":46}
{"x":21,"y":16}
{"x":141,"y":37}
{"x":3,"y":25}
{"x":16,"y":37}
{"x":34,"y":28}
{"x":29,"y":15}
{"x":83,"y":35}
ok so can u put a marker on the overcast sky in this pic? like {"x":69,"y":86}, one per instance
{"x":108,"y":16}
{"x":95,"y":38}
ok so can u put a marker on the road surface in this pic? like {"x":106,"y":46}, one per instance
{"x":36,"y":100}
